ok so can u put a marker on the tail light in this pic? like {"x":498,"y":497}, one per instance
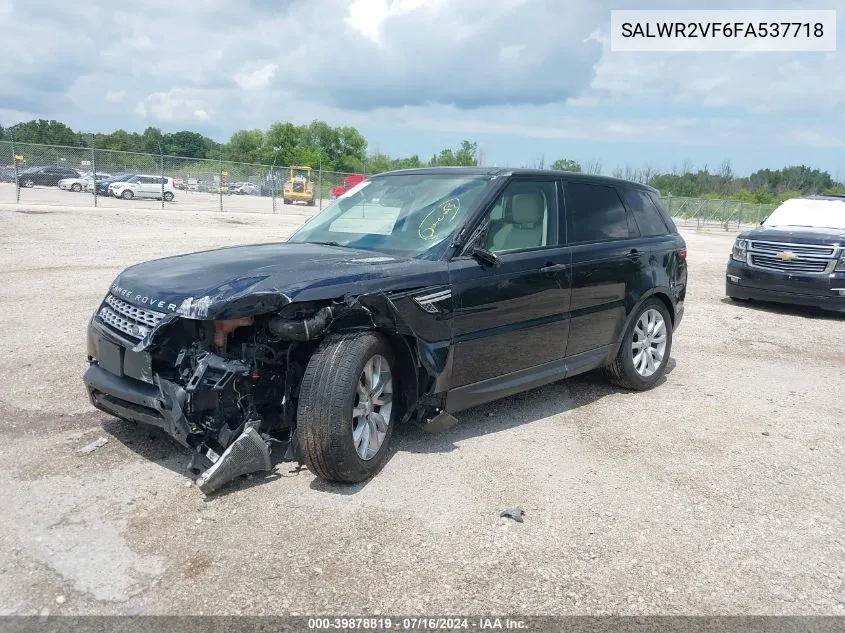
{"x":682,"y":252}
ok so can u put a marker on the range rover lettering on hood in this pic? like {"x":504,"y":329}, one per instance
{"x":153,"y":302}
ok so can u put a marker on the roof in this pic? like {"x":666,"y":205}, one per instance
{"x":510,"y":171}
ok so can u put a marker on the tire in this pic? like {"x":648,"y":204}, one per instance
{"x":29,"y":184}
{"x":76,"y":187}
{"x":127,"y":194}
{"x":168,"y":196}
{"x":623,"y":372}
{"x":328,"y":398}
{"x":286,"y":201}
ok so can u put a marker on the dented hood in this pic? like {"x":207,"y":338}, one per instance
{"x":241,"y":280}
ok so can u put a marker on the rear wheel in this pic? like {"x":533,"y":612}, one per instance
{"x":644,"y":353}
{"x":346,"y":411}
{"x":127,"y":194}
{"x":168,"y":196}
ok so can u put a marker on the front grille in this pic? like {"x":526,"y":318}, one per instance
{"x":807,"y":259}
{"x":810,"y":267}
{"x":808,"y":250}
{"x":128,"y":319}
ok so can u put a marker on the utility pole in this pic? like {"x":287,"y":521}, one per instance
{"x":161,"y":169}
{"x":15,"y":161}
{"x":93,"y":169}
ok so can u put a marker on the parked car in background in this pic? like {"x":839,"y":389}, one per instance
{"x":796,"y":255}
{"x":81,"y":183}
{"x":144,"y":186}
{"x":244,"y":188}
{"x":46,"y":176}
{"x":103,"y":185}
{"x":7,"y":173}
{"x":348,"y":183}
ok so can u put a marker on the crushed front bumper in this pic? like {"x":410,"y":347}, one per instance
{"x":159,"y":405}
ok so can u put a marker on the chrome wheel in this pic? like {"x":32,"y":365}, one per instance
{"x":373,"y":407}
{"x":648,"y":347}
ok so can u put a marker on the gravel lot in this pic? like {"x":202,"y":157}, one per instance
{"x":718,"y":492}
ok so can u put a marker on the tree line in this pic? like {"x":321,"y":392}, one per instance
{"x":345,"y":149}
{"x":315,"y":144}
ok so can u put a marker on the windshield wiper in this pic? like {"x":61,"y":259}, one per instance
{"x":328,"y":243}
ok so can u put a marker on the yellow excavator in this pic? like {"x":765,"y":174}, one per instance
{"x":299,"y":187}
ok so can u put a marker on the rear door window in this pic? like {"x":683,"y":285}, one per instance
{"x":646,"y":215}
{"x":594,"y":213}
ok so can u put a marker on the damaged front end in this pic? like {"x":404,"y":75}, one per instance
{"x":226,"y":388}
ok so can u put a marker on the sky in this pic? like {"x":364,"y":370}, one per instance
{"x":528,"y":80}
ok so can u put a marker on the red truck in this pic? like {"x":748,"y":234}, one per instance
{"x":348,"y":183}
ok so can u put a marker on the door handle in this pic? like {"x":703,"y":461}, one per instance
{"x":634,"y":255}
{"x":552,"y":268}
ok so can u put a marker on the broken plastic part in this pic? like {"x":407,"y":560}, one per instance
{"x":214,"y":372}
{"x":249,"y":453}
{"x":439,"y":423}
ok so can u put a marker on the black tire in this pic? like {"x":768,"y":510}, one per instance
{"x":168,"y":196}
{"x":29,"y":184}
{"x":621,"y":372}
{"x":76,"y":187}
{"x":326,"y":398}
{"x":127,"y":194}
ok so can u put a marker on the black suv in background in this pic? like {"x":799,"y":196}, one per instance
{"x":796,"y":255}
{"x":413,"y":296}
{"x":49,"y":176}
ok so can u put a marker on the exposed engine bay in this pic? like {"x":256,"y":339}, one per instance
{"x":229,"y":387}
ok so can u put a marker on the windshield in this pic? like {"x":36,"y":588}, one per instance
{"x":805,"y":212}
{"x":398,"y":214}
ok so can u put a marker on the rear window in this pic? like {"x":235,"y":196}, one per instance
{"x":663,"y":212}
{"x":595,"y":213}
{"x":646,"y":215}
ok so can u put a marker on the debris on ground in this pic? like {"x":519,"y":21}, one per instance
{"x":513,"y":513}
{"x":93,"y":446}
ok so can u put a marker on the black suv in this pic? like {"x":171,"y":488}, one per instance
{"x":411,"y":297}
{"x":796,"y":255}
{"x":49,"y":176}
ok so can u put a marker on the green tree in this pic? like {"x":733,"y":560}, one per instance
{"x":188,"y":144}
{"x":566,"y":164}
{"x":246,"y":146}
{"x":47,"y":133}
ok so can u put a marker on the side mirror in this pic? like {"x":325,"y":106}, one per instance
{"x":484,"y":256}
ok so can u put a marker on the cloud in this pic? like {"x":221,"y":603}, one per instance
{"x":173,"y":106}
{"x":432,"y":70}
{"x":258,"y":79}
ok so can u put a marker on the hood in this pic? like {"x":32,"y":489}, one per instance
{"x":246,"y":280}
{"x":796,"y":235}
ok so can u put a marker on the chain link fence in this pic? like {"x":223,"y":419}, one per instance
{"x":705,"y":213}
{"x":57,"y":175}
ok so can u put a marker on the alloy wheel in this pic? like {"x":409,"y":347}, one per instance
{"x":373,"y":407}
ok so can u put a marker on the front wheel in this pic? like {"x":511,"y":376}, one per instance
{"x":127,"y":194}
{"x":76,"y":187}
{"x":29,"y":184}
{"x":644,"y":353}
{"x":347,"y":409}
